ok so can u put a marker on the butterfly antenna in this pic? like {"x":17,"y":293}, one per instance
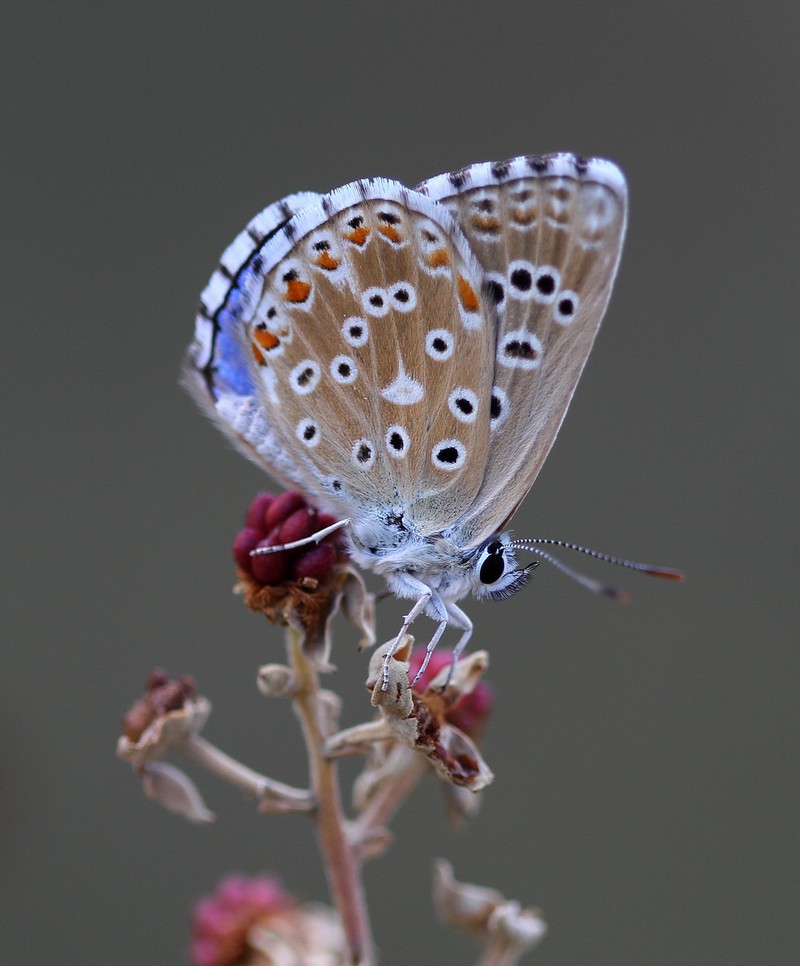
{"x":533,"y":545}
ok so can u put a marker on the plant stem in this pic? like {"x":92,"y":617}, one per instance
{"x":500,"y":954}
{"x":251,"y":782}
{"x":341,"y":866}
{"x":390,"y":792}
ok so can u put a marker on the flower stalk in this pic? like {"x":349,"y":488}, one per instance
{"x":275,"y":796}
{"x":341,"y":864}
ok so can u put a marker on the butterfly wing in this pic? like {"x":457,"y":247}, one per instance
{"x":217,"y":371}
{"x":351,"y":320}
{"x":548,"y":231}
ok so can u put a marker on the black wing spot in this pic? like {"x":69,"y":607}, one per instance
{"x":447,"y":454}
{"x":546,"y":284}
{"x":494,"y":291}
{"x":522,"y":279}
{"x":520,"y":349}
{"x":305,"y":376}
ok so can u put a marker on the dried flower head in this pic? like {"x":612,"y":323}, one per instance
{"x":169,"y":713}
{"x":304,"y":587}
{"x":502,"y":925}
{"x":470,"y":710}
{"x":169,"y":716}
{"x":254,"y":920}
{"x":422,"y":720}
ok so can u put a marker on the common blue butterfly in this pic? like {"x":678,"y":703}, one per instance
{"x":406,"y":357}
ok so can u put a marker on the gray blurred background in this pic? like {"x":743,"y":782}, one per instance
{"x":646,"y":756}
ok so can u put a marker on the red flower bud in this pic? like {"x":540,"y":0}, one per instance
{"x":302,"y":523}
{"x":283,"y":506}
{"x":245,"y":541}
{"x":257,"y":512}
{"x":270,"y":568}
{"x":316,"y":561}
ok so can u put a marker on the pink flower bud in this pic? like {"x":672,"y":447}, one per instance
{"x":300,"y":524}
{"x":245,"y":541}
{"x":316,"y":562}
{"x":283,"y":506}
{"x":221,"y":922}
{"x":257,"y":512}
{"x":270,"y":568}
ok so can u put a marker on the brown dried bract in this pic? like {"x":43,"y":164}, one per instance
{"x":309,"y":606}
{"x":420,"y":721}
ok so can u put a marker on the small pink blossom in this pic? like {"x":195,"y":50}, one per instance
{"x":254,"y":920}
{"x":221,"y":922}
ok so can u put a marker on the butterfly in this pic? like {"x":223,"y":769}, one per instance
{"x":406,"y":357}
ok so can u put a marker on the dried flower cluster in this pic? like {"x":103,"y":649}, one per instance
{"x":274,"y":521}
{"x":305,"y":587}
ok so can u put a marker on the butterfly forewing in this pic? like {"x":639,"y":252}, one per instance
{"x":548,"y":231}
{"x":372,"y":347}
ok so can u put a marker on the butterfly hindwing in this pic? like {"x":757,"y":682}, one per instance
{"x":548,"y":231}
{"x":216,"y":371}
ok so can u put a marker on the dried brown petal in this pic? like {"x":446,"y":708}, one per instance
{"x":169,"y":730}
{"x":309,"y":606}
{"x":461,"y":904}
{"x":502,"y":925}
{"x":175,"y":791}
{"x":276,"y":681}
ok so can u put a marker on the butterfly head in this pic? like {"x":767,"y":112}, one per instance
{"x":495,"y":574}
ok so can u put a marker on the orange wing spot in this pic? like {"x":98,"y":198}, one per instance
{"x":524,"y":216}
{"x":485,"y":223}
{"x":327,"y":261}
{"x":467,"y":296}
{"x":358,"y":235}
{"x":438,"y":258}
{"x":265,"y":339}
{"x":257,"y":354}
{"x":297,"y":290}
{"x":391,"y":232}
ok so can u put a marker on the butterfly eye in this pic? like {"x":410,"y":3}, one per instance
{"x":491,"y":563}
{"x":495,"y":573}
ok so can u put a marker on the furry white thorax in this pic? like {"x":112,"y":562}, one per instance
{"x":407,"y":559}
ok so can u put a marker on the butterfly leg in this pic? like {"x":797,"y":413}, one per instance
{"x":459,"y":619}
{"x":426,"y":599}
